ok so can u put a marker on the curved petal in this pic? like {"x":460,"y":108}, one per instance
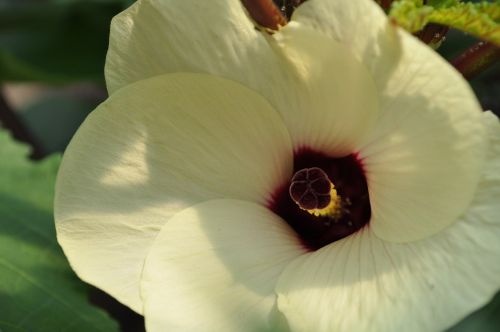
{"x":336,"y":101}
{"x":361,"y":26}
{"x":154,"y":148}
{"x":363,"y":283}
{"x":488,"y":193}
{"x":214,"y":266}
{"x":154,"y":37}
{"x":325,"y":96}
{"x":424,"y":156}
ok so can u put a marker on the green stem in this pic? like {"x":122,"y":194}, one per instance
{"x":265,"y":13}
{"x":476,"y":59}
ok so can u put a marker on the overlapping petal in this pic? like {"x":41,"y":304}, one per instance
{"x":153,"y":149}
{"x":326,"y":96}
{"x":363,"y":283}
{"x":155,"y":37}
{"x":359,"y":25}
{"x":339,"y":79}
{"x":424,"y":156}
{"x":311,"y":72}
{"x":334,"y":96}
{"x":214,"y":266}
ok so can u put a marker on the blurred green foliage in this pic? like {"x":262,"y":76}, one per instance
{"x":477,"y":18}
{"x":38,"y":290}
{"x":55,"y":41}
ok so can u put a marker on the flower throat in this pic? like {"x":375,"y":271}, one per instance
{"x":325,"y":200}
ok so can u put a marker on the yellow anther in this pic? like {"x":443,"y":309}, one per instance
{"x":332,"y":210}
{"x":313,"y":191}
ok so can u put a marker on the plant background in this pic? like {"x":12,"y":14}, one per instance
{"x":51,"y":76}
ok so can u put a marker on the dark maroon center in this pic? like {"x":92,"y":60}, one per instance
{"x":309,"y":187}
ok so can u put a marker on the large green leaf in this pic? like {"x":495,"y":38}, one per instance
{"x":38,"y":290}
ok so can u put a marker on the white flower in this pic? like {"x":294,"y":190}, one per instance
{"x":173,"y":195}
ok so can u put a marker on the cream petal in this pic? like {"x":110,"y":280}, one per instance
{"x":487,"y":196}
{"x":326,"y":97}
{"x":153,"y":149}
{"x":363,"y":283}
{"x":214,"y":266}
{"x":424,"y":156}
{"x":336,"y":101}
{"x":359,"y":25}
{"x":154,"y":37}
{"x":364,"y":29}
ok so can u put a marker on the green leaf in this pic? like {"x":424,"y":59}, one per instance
{"x":38,"y":290}
{"x":55,"y":41}
{"x":478,"y":19}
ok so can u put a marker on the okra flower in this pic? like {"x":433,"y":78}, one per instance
{"x":337,"y":175}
